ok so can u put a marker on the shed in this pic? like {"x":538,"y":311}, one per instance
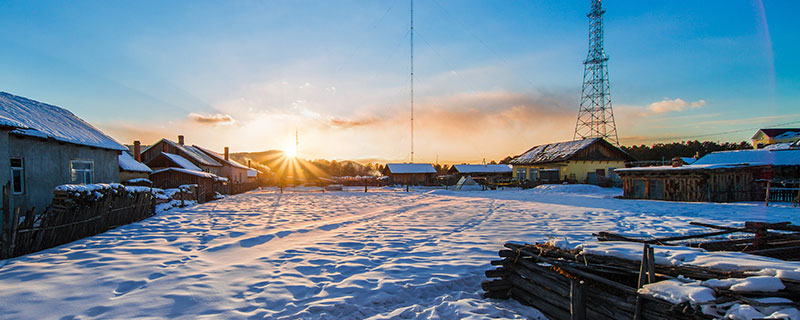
{"x":725,"y":176}
{"x":167,"y":178}
{"x":410,"y":173}
{"x":481,"y":170}
{"x":579,"y":160}
{"x":130,"y":169}
{"x":49,"y":146}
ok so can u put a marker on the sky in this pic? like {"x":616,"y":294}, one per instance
{"x":492,"y":78}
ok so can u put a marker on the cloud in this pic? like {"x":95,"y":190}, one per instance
{"x":347,"y":123}
{"x":218,"y":119}
{"x":676,"y":105}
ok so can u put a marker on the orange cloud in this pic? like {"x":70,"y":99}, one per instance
{"x":221,"y":119}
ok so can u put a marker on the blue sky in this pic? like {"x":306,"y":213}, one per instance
{"x":492,"y":77}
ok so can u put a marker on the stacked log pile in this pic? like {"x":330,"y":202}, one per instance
{"x":566,"y":284}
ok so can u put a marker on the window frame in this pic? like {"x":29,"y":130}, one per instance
{"x":74,"y":172}
{"x":21,"y":170}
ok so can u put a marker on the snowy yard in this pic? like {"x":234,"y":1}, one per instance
{"x":329,"y":255}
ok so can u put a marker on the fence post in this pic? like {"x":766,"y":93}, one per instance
{"x":3,"y":224}
{"x":766,"y":198}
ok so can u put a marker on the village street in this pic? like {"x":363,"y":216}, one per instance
{"x":328,"y":255}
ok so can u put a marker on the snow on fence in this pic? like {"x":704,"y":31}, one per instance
{"x":77,"y":211}
{"x":605,"y":280}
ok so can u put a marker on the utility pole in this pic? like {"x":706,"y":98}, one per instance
{"x":412,"y":81}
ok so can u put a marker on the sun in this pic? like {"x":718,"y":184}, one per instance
{"x":290,"y":152}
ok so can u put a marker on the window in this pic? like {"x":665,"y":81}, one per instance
{"x":17,"y":176}
{"x":521,"y":174}
{"x":82,"y":171}
{"x":534,"y":174}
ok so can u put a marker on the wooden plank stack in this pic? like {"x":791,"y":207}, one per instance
{"x":569,"y":285}
{"x":780,"y":240}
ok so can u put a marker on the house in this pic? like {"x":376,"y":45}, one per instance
{"x":49,"y":146}
{"x":234,"y":171}
{"x":190,"y":153}
{"x":410,"y":173}
{"x":481,"y":170}
{"x":587,"y":160}
{"x":724,"y":176}
{"x":765,"y":137}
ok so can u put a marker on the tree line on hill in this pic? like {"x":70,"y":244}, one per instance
{"x":667,"y":151}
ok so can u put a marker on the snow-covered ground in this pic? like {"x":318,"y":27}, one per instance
{"x":332,"y":255}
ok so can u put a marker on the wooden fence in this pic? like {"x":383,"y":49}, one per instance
{"x":73,"y":216}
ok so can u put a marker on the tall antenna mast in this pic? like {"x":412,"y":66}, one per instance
{"x":595,"y":117}
{"x":412,"y":81}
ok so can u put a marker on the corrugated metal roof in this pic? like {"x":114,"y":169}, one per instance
{"x":190,"y":151}
{"x":553,"y":152}
{"x":483,"y":168}
{"x":33,"y":118}
{"x":401,"y":168}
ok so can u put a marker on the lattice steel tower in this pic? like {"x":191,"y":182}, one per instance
{"x":595,"y":118}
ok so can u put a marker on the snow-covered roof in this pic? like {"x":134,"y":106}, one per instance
{"x":482,"y":168}
{"x":181,"y":161}
{"x":193,"y":172}
{"x":128,"y":163}
{"x":220,"y":158}
{"x":753,"y":157}
{"x":400,"y":168}
{"x":33,"y":118}
{"x":194,"y":153}
{"x":559,"y":151}
{"x":688,"y":160}
{"x":732,"y":159}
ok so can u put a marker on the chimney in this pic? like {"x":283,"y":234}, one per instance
{"x":180,"y":139}
{"x":137,"y":150}
{"x":677,"y":162}
{"x":227,"y":155}
{"x":248,"y":164}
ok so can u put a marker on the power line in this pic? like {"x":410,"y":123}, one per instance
{"x":727,"y":132}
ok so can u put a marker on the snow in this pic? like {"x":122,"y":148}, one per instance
{"x":193,"y":172}
{"x":181,"y":161}
{"x":483,"y":168}
{"x":676,"y":291}
{"x":553,"y":152}
{"x":354,"y":255}
{"x":753,"y":157}
{"x":401,"y":168}
{"x":128,"y":163}
{"x":189,"y":151}
{"x":788,"y":135}
{"x":33,"y":118}
{"x":139,"y":180}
